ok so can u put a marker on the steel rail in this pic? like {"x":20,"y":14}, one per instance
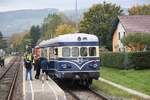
{"x":100,"y":95}
{"x":7,"y":69}
{"x":9,"y":97}
{"x":73,"y":94}
{"x":104,"y":97}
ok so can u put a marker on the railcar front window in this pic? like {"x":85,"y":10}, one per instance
{"x":83,"y":51}
{"x":92,"y":51}
{"x":75,"y":51}
{"x":66,"y":52}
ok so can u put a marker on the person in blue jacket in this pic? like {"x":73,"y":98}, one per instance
{"x":44,"y":66}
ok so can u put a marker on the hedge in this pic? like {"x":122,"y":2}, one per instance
{"x":112,"y":59}
{"x":137,"y":60}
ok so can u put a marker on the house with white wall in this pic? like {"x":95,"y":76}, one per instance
{"x":127,"y":25}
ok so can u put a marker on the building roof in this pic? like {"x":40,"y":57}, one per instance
{"x":136,"y":23}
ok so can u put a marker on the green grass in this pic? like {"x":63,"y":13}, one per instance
{"x":134,"y":79}
{"x":112,"y":91}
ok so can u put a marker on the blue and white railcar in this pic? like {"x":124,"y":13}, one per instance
{"x":73,"y":56}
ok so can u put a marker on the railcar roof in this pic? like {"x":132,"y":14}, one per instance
{"x":72,"y":37}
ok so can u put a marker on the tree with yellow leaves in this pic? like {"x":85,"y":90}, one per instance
{"x":140,"y":10}
{"x":19,"y":40}
{"x":64,"y":29}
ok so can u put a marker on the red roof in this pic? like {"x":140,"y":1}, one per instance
{"x":136,"y":23}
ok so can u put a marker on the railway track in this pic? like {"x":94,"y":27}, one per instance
{"x":76,"y":92}
{"x":8,"y":79}
{"x":85,"y":94}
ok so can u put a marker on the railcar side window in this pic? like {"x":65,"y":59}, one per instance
{"x":83,"y":51}
{"x":51,"y":52}
{"x":42,"y":52}
{"x":75,"y":51}
{"x":92,"y":51}
{"x":66,"y":52}
{"x":56,"y":51}
{"x":45,"y":53}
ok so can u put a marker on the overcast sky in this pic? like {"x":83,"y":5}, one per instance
{"x":6,"y":5}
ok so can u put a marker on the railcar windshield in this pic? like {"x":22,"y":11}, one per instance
{"x":83,"y":51}
{"x":75,"y":51}
{"x":92,"y":51}
{"x":79,"y":51}
{"x":66,"y":52}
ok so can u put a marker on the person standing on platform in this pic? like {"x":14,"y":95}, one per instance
{"x":28,"y":66}
{"x":38,"y":67}
{"x":44,"y":67}
{"x":34,"y":62}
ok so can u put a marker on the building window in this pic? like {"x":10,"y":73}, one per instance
{"x":124,"y":49}
{"x":124,"y":34}
{"x":119,"y":49}
{"x":119,"y":36}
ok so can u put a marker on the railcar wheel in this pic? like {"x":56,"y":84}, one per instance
{"x":90,"y":81}
{"x":87,"y":83}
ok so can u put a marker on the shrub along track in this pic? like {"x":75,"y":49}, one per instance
{"x":8,"y":79}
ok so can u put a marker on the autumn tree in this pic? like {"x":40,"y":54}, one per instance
{"x":99,"y":20}
{"x":55,"y":23}
{"x":15,"y":40}
{"x":64,"y":29}
{"x":140,"y":10}
{"x":20,"y":40}
{"x":49,"y":25}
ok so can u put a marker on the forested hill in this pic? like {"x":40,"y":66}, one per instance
{"x":20,"y":20}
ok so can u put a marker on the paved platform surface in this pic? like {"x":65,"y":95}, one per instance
{"x":39,"y":90}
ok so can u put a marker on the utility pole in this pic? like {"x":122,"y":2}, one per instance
{"x":76,"y":10}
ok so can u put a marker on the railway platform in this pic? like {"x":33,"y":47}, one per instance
{"x":41,"y":90}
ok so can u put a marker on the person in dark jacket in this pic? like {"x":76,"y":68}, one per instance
{"x":38,"y":67}
{"x":1,"y":62}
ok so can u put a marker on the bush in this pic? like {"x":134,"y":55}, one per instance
{"x":140,"y":60}
{"x":112,"y":59}
{"x":137,"y":60}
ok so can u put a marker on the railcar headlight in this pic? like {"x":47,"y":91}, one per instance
{"x":64,"y":66}
{"x":95,"y":65}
